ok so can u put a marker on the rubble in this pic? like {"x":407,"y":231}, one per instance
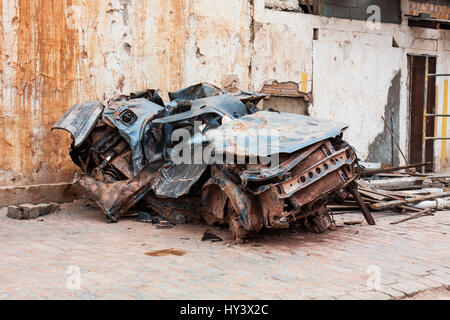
{"x":399,"y":189}
{"x":212,"y":155}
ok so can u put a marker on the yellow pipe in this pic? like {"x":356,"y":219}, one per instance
{"x":436,"y":110}
{"x":304,"y":82}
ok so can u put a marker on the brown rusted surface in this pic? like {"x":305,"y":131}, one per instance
{"x":188,"y":207}
{"x":117,"y":198}
{"x":244,"y":205}
{"x":272,"y":206}
{"x":214,"y":201}
{"x":55,"y":53}
{"x":42,"y":73}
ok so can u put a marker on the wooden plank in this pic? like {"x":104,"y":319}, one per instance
{"x":390,"y":204}
{"x":363,"y":207}
{"x":417,"y":215}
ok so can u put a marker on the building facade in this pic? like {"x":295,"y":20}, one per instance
{"x":351,"y":60}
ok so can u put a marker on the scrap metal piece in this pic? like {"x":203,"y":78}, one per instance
{"x":267,"y":133}
{"x":174,"y":181}
{"x":198,"y":91}
{"x":115,"y":199}
{"x":208,"y":236}
{"x":131,"y":117}
{"x":222,"y":105}
{"x":270,"y":173}
{"x":243,"y":204}
{"x":79,"y":120}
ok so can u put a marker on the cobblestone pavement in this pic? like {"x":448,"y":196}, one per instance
{"x":40,"y":259}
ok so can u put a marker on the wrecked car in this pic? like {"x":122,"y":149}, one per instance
{"x":211,"y":155}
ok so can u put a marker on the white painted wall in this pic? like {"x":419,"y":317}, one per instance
{"x":352,"y":67}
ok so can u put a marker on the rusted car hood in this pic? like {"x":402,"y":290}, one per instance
{"x":266,"y":133}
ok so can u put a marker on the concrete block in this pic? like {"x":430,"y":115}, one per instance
{"x":48,"y":208}
{"x":32,"y":211}
{"x":14,"y":212}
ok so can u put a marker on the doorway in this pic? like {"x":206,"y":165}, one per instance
{"x":417,"y":96}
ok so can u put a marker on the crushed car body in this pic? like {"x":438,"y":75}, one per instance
{"x":211,"y":155}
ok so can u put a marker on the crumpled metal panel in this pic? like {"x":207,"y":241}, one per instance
{"x":175,"y":181}
{"x":198,"y":91}
{"x":130,"y":117}
{"x":79,"y":120}
{"x":266,"y":133}
{"x":222,"y":105}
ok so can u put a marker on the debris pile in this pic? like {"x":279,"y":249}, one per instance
{"x":212,"y":155}
{"x":400,"y":189}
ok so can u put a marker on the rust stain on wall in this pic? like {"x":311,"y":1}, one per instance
{"x":57,"y":60}
{"x":45,"y":70}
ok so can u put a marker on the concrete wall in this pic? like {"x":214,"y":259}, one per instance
{"x":358,"y":75}
{"x":55,"y":53}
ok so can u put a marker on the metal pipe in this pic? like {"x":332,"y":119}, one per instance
{"x":437,"y":115}
{"x":436,"y":138}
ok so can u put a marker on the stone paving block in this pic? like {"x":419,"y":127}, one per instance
{"x":409,"y":287}
{"x":391,"y":292}
{"x":444,"y":281}
{"x":347,"y":297}
{"x":429,"y":283}
{"x":370,"y":295}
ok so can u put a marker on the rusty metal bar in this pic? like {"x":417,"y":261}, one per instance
{"x":395,"y":140}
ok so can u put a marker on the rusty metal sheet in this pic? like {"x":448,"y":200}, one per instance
{"x":267,"y":133}
{"x":270,"y":173}
{"x":317,"y":172}
{"x":79,"y":120}
{"x":174,"y":181}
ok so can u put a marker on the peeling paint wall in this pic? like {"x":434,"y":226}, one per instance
{"x":383,"y":149}
{"x":55,"y":53}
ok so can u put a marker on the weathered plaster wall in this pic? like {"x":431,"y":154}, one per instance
{"x":352,"y":66}
{"x":55,"y":53}
{"x":218,"y":48}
